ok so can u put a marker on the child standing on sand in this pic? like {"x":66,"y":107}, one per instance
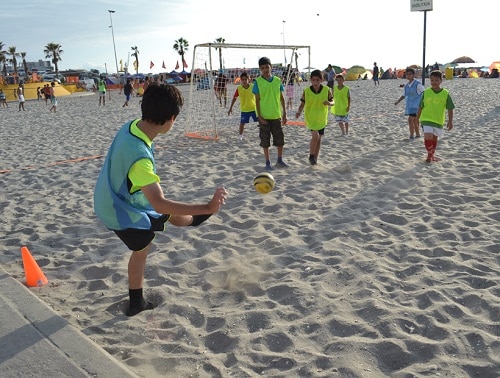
{"x":247,"y":102}
{"x":315,"y":100}
{"x":3,"y":99}
{"x":53,"y":98}
{"x":128,"y":197}
{"x":20,"y":96}
{"x":431,"y":113}
{"x":340,"y":110}
{"x":271,"y":111}
{"x":413,"y":94}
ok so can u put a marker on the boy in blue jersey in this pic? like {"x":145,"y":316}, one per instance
{"x":128,"y":197}
{"x":269,"y":101}
{"x":431,"y":113}
{"x":413,"y":94}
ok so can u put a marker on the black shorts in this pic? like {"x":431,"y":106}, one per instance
{"x":273,"y":128}
{"x":321,"y":131}
{"x":136,"y":239}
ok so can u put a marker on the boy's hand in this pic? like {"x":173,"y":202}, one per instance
{"x":450,"y":125}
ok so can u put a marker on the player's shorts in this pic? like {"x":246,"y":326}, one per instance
{"x":273,"y":128}
{"x":343,"y":118}
{"x":412,"y":112}
{"x":127,"y":97}
{"x":137,"y":240}
{"x":102,"y":94}
{"x":289,"y":91}
{"x":321,"y":131}
{"x":245,"y":117}
{"x":433,"y":130}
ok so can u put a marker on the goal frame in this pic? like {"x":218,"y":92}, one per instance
{"x":212,"y":47}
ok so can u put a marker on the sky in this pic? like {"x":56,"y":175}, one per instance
{"x":347,"y":33}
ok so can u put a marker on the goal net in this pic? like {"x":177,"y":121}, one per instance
{"x":207,"y":107}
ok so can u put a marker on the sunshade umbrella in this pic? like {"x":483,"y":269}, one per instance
{"x":463,"y":59}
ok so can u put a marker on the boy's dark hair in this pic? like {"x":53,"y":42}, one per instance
{"x":409,"y":69}
{"x":317,"y":73}
{"x":339,"y":76}
{"x":160,"y":103}
{"x":264,"y":60}
{"x":243,"y":74}
{"x":437,"y":73}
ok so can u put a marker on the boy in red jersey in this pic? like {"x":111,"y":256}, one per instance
{"x":268,"y":90}
{"x":247,"y":102}
{"x":431,"y":113}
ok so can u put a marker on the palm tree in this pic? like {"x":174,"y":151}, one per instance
{"x":13,"y":53}
{"x":25,"y":65}
{"x":3,"y":59}
{"x":220,"y":40}
{"x":54,"y":51}
{"x":181,"y":46}
{"x":136,"y":55}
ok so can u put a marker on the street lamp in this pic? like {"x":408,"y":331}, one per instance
{"x":284,"y":51}
{"x":113,"y":35}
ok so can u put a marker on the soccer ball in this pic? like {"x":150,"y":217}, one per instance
{"x":264,"y":183}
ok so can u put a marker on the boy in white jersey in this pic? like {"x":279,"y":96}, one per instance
{"x":431,"y":113}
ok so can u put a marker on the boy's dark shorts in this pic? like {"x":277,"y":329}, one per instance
{"x":136,"y":239}
{"x":245,"y":117}
{"x":273,"y":128}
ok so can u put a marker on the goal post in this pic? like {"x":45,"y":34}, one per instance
{"x":207,"y":109}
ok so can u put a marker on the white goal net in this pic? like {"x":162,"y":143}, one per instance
{"x":207,"y":109}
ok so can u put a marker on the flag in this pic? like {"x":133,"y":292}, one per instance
{"x":136,"y":66}
{"x":177,"y":65}
{"x":121,"y":65}
{"x":151,"y":64}
{"x":184,"y":64}
{"x":163,"y":65}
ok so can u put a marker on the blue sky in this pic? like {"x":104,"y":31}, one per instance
{"x":342,"y":33}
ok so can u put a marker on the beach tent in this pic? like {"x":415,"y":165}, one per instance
{"x":494,"y":65}
{"x":388,"y":74}
{"x":112,"y":80}
{"x":355,"y":73}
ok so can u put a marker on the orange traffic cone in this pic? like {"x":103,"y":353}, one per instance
{"x":34,"y":275}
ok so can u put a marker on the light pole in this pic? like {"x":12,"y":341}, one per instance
{"x":284,"y":51}
{"x":113,"y":35}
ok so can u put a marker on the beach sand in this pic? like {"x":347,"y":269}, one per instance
{"x":371,"y":264}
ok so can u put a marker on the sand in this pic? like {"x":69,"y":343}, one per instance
{"x":371,"y":264}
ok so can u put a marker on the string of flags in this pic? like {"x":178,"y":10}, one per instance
{"x":151,"y":65}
